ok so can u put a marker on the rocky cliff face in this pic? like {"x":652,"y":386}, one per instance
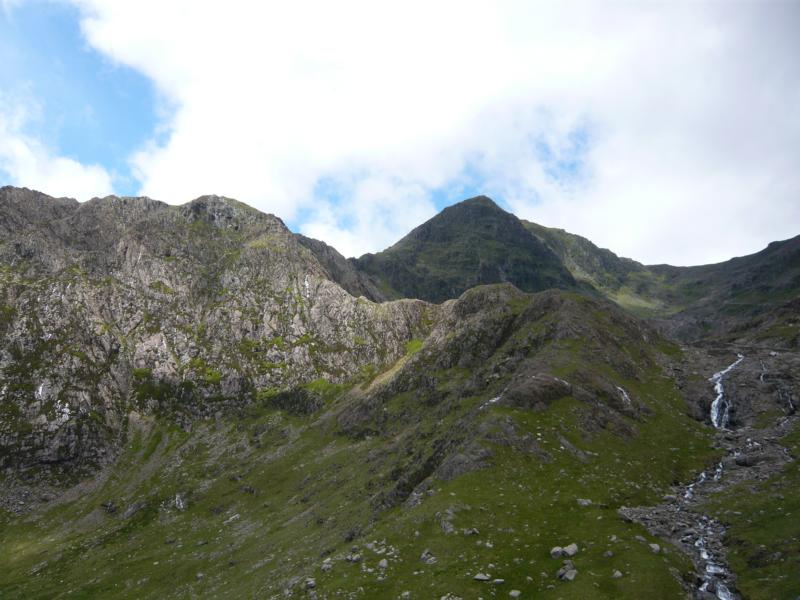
{"x":124,"y":304}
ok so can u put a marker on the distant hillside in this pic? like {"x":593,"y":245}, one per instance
{"x":749,"y":298}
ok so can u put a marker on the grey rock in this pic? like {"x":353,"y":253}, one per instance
{"x":482,"y":577}
{"x":447,"y":527}
{"x":427,"y":557}
{"x":571,"y":550}
{"x":616,"y":574}
{"x":568,"y":567}
{"x":569,"y":575}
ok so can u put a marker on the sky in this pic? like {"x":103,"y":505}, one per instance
{"x":668,"y":132}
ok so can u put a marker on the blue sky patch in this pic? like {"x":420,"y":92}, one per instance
{"x":81,"y":105}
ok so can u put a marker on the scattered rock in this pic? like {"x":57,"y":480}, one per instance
{"x":427,"y":557}
{"x":570,"y":550}
{"x":655,"y":548}
{"x":584,"y":502}
{"x":514,"y":594}
{"x":557,"y":552}
{"x":311,"y":583}
{"x":568,"y":572}
{"x":498,"y":581}
{"x":608,"y":554}
{"x":616,"y":574}
{"x":569,"y":575}
{"x":482,"y":577}
{"x":383,"y":564}
{"x":180,"y":502}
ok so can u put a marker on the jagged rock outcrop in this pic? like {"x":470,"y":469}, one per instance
{"x":123,"y":303}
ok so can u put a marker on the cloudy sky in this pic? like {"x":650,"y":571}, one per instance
{"x":668,"y":132}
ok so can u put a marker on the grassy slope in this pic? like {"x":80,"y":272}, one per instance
{"x":303,"y":491}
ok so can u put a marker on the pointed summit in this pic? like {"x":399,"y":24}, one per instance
{"x":470,"y":243}
{"x":479,"y":201}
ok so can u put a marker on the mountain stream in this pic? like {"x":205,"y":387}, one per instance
{"x":680,"y":517}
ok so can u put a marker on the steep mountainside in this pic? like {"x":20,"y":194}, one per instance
{"x":471,"y":243}
{"x":197,"y":403}
{"x":126,"y":304}
{"x":627,"y":282}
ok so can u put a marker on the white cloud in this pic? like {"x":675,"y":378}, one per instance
{"x":26,"y":161}
{"x":690,"y":112}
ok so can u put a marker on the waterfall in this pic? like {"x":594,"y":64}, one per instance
{"x":720,"y":408}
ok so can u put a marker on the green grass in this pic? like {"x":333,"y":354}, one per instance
{"x":301,"y":491}
{"x":413,"y":346}
{"x":325,"y":389}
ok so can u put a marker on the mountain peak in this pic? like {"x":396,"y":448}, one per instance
{"x":471,"y":243}
{"x":479,"y":201}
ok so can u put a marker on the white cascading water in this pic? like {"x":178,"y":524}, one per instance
{"x":714,"y":572}
{"x":720,"y":408}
